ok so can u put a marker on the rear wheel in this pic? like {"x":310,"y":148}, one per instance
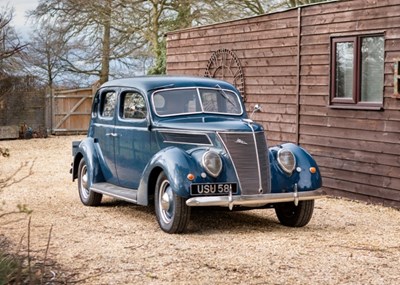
{"x":172,"y":213}
{"x":88,"y":197}
{"x":295,"y":216}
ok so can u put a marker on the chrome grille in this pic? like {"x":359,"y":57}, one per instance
{"x":241,"y":148}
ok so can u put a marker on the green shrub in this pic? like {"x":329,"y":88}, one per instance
{"x":9,"y":268}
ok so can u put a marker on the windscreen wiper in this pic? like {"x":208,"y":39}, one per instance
{"x":222,"y":92}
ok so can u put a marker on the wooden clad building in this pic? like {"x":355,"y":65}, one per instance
{"x":327,"y":77}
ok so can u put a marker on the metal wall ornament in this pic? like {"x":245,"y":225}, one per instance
{"x":225,"y":65}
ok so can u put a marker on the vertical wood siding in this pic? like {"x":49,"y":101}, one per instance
{"x":358,"y":151}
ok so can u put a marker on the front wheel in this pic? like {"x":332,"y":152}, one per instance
{"x":295,"y":216}
{"x":88,"y":197}
{"x":172,"y":213}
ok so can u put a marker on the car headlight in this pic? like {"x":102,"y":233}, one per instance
{"x":212,"y":163}
{"x":286,"y":160}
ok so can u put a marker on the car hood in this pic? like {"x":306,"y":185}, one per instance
{"x":214,"y":123}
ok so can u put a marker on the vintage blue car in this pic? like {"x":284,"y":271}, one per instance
{"x":182,"y":142}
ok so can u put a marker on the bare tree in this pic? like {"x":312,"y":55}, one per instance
{"x":109,"y":33}
{"x":10,"y":45}
{"x":96,"y":31}
{"x":43,"y":56}
{"x":295,"y":3}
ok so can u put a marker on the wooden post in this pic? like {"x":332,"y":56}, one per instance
{"x":396,"y":83}
{"x":298,"y":76}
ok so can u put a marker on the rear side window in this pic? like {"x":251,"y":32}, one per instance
{"x":107,"y":107}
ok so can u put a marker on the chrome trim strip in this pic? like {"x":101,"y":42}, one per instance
{"x":199,"y":97}
{"x":260,"y":190}
{"x":180,"y":131}
{"x":254,"y":200}
{"x":176,"y":142}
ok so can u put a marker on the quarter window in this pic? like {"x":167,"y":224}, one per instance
{"x":357,"y":75}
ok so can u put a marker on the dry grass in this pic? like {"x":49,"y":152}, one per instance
{"x":119,"y":243}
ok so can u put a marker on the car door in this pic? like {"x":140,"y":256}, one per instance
{"x":134,"y":143}
{"x":104,"y":135}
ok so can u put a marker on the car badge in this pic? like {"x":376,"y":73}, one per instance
{"x":241,"y":141}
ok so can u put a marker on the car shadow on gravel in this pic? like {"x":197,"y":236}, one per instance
{"x":121,"y":205}
{"x":206,"y":220}
{"x":212,"y":219}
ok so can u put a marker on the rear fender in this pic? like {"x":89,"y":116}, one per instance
{"x":87,"y":151}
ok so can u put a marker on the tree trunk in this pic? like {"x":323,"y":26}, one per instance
{"x":105,"y":59}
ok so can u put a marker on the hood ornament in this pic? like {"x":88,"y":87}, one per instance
{"x":239,"y":141}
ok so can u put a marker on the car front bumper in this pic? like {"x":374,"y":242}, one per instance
{"x":254,"y":200}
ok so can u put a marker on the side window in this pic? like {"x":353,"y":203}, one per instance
{"x":107,"y":106}
{"x":133,"y":106}
{"x":95,"y":106}
{"x":357,"y":75}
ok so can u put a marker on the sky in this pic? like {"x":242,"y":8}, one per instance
{"x":19,"y":21}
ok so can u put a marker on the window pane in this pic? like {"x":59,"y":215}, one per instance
{"x":134,"y":106}
{"x":220,"y":101}
{"x":372,"y":65}
{"x":108,"y":105}
{"x":344,"y":69}
{"x":176,"y":102}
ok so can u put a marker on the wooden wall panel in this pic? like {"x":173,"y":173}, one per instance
{"x":358,"y":150}
{"x":267,"y":50}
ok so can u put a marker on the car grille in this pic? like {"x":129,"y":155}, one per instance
{"x":242,"y":149}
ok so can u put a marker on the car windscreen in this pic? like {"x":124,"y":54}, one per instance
{"x":173,"y":102}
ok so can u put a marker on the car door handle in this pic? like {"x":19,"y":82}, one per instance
{"x":112,"y":135}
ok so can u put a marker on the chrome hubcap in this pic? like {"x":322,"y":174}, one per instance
{"x":84,"y":183}
{"x":166,"y":202}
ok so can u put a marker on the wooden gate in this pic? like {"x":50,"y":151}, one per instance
{"x":70,"y":110}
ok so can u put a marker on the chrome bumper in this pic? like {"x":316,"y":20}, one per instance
{"x":254,"y":200}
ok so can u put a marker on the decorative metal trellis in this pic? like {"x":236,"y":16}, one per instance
{"x":225,"y":65}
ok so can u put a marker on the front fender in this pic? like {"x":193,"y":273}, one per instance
{"x":176,"y":164}
{"x":87,"y":151}
{"x":306,"y":181}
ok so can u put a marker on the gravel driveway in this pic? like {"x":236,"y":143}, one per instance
{"x":119,"y":243}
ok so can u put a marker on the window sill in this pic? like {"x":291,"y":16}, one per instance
{"x":356,"y":107}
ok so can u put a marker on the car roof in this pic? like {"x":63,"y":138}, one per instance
{"x":150,"y":83}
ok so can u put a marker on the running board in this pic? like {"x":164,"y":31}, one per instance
{"x":118,"y":192}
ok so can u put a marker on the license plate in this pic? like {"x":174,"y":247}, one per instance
{"x":213,"y":189}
